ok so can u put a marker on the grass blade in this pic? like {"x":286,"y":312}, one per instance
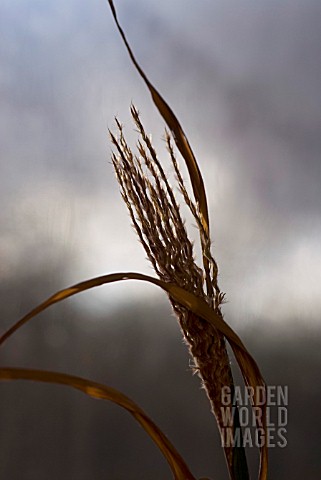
{"x":99,"y":391}
{"x":250,"y":371}
{"x":176,"y":129}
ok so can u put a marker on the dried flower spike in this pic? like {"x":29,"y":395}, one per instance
{"x":156,"y":217}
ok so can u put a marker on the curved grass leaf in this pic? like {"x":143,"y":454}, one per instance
{"x":249,"y":369}
{"x":185,"y":149}
{"x":99,"y":391}
{"x":176,"y":130}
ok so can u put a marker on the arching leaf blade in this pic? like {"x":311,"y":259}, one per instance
{"x":176,"y":129}
{"x":99,"y":391}
{"x":71,"y":291}
{"x":249,"y":369}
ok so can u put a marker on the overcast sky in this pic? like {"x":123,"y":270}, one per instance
{"x":244,"y":78}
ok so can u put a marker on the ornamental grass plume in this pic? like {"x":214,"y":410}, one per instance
{"x":192,"y":289}
{"x":156,"y":217}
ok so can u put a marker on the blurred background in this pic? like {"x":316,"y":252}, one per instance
{"x":244,"y":79}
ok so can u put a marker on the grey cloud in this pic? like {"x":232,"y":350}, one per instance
{"x":258,"y":96}
{"x":243,"y":79}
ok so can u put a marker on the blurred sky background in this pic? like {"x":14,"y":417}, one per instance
{"x":243,"y":77}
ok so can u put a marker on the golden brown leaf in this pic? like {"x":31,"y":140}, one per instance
{"x":176,"y":129}
{"x":249,"y":369}
{"x":99,"y":391}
